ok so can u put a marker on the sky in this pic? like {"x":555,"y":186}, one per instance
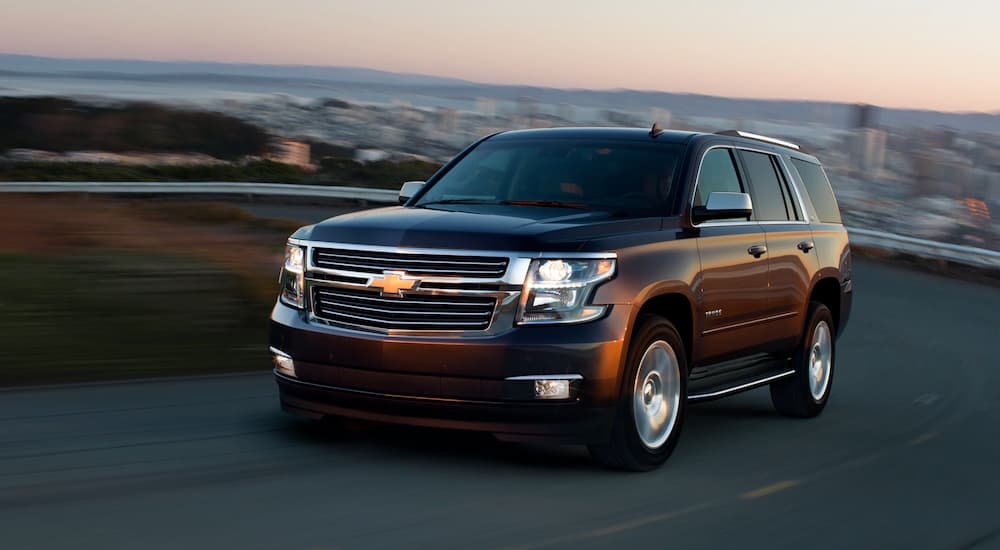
{"x":942,"y":55}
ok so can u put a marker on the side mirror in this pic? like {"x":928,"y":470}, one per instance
{"x":723,"y":206}
{"x":409,"y":189}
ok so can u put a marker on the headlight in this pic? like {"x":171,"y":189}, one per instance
{"x":559,"y":291}
{"x":292,"y":276}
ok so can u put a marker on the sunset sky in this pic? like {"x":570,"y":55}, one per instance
{"x":917,"y":53}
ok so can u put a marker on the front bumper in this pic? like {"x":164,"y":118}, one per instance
{"x":459,"y":383}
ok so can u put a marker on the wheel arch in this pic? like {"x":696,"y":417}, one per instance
{"x":676,"y":307}
{"x":827,"y":292}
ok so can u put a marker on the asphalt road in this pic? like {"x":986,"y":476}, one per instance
{"x":906,"y":455}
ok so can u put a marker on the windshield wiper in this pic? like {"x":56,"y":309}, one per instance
{"x":459,"y":201}
{"x":551,"y":204}
{"x":547,"y":204}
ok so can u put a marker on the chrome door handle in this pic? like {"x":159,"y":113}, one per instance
{"x":806,"y":246}
{"x":757,"y":250}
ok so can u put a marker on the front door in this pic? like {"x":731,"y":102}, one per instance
{"x":733,"y":287}
{"x":734,"y":293}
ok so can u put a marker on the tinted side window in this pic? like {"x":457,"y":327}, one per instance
{"x":718,"y":173}
{"x":770,"y":199}
{"x":819,"y":190}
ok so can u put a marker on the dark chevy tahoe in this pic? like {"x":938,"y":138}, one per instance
{"x":573,"y":285}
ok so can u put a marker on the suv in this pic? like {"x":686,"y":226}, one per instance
{"x":578,"y":285}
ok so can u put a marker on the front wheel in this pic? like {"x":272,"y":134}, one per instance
{"x":653,"y":400}
{"x":805,"y":393}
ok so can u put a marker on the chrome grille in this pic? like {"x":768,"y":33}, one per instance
{"x":367,"y":309}
{"x":426,"y":265}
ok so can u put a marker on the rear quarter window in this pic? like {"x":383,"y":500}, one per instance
{"x":818,"y":188}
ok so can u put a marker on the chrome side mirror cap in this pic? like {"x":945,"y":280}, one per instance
{"x":409,"y":189}
{"x":723,"y":206}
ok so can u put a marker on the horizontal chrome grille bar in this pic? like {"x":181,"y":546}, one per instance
{"x":368,"y":310}
{"x":414,"y":264}
{"x":332,"y":257}
{"x":410,"y":299}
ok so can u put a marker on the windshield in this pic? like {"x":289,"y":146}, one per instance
{"x":628,"y":177}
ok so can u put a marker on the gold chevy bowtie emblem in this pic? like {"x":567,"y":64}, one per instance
{"x":393,"y":283}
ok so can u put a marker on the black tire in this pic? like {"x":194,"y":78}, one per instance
{"x":626,"y":450}
{"x":793,"y":396}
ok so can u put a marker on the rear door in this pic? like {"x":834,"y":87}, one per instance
{"x":790,"y":246}
{"x":733,"y":282}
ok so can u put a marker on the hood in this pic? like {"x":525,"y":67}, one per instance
{"x":476,"y":227}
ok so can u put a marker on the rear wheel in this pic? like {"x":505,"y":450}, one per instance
{"x":805,"y":393}
{"x":652,"y":402}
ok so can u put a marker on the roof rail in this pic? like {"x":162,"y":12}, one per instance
{"x":758,"y":137}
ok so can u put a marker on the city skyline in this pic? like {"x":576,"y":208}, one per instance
{"x":925,"y":55}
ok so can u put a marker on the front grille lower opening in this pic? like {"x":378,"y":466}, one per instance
{"x":369,"y":310}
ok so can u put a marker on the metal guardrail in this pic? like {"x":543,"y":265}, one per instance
{"x":210,"y":188}
{"x":967,"y":255}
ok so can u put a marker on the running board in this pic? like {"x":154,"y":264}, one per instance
{"x":722,"y":392}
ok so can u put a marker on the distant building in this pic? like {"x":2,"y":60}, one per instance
{"x":390,"y":136}
{"x":370,"y":155}
{"x":984,"y":184}
{"x":486,"y":106}
{"x":447,"y":119}
{"x":566,"y":112}
{"x":661,"y":116}
{"x":864,"y":116}
{"x":620,"y":118}
{"x":867,"y":143}
{"x":941,"y":172}
{"x":30,"y":155}
{"x":291,"y":152}
{"x":336,"y":104}
{"x":527,"y":106}
{"x":867,"y":147}
{"x":407,"y":115}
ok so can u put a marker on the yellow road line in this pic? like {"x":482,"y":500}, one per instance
{"x":924,"y":438}
{"x":769,"y":489}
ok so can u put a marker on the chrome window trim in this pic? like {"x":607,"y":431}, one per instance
{"x":785,"y":172}
{"x":795,"y":188}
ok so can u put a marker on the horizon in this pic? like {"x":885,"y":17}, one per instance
{"x":926,"y":55}
{"x":461,"y":81}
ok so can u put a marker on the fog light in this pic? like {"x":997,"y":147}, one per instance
{"x":282,"y":362}
{"x":551,"y":389}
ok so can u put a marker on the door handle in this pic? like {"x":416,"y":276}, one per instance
{"x":757,"y":250}
{"x":806,"y":246}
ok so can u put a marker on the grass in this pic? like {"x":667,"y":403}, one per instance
{"x":98,"y":289}
{"x":120,"y":314}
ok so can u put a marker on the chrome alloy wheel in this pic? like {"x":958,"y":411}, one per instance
{"x":656,"y":394}
{"x":820,"y":361}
